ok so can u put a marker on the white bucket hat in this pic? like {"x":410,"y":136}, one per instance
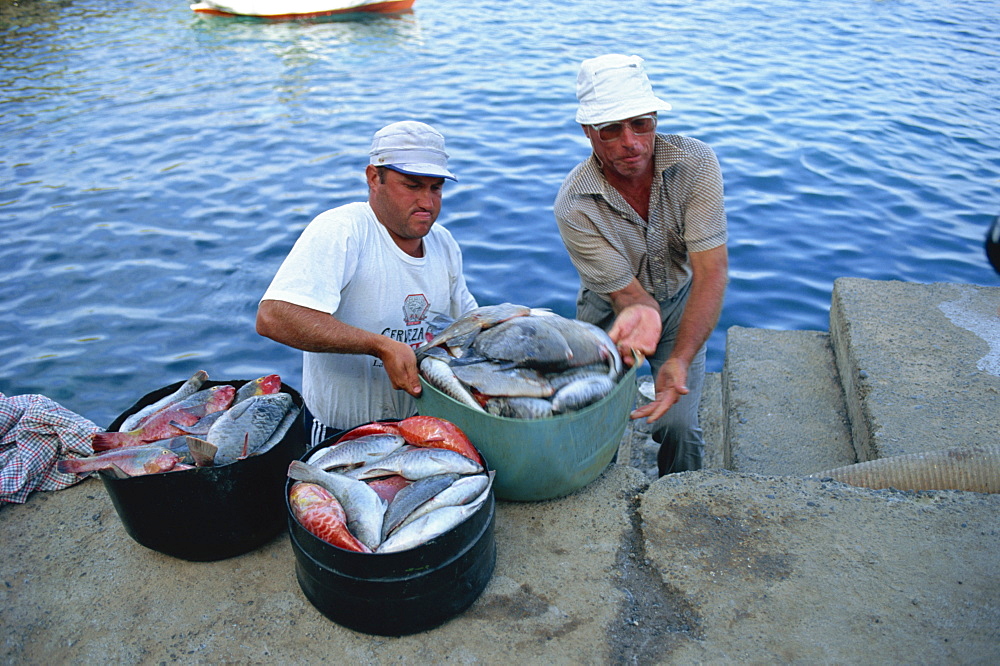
{"x":614,"y":87}
{"x":411,"y":147}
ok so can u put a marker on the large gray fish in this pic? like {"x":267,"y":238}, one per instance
{"x":461,"y":332}
{"x":418,"y":463}
{"x":413,"y":496}
{"x":279,"y":433}
{"x":529,"y":342}
{"x":462,"y":491}
{"x":364,"y":508}
{"x":518,"y":407}
{"x":581,"y":393}
{"x":245,"y":427}
{"x":354,"y":452}
{"x":561,"y":379}
{"x":441,"y":376}
{"x":187,"y":389}
{"x":494,"y":379}
{"x":433,"y":524}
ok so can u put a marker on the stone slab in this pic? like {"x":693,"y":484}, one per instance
{"x":782,"y":403}
{"x":782,"y":570}
{"x":920,"y":364}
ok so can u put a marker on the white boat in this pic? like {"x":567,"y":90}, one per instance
{"x":290,"y":9}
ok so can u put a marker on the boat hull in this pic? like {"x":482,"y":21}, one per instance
{"x":238,"y":8}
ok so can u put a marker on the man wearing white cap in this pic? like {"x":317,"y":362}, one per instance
{"x":356,"y":290}
{"x":645,"y":226}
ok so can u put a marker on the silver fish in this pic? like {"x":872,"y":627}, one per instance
{"x":517,"y":407}
{"x":561,"y":379}
{"x":364,"y":508}
{"x":418,"y":463}
{"x":413,"y":496}
{"x":360,"y":451}
{"x":463,"y":490}
{"x":433,"y":524}
{"x":581,"y":393}
{"x":494,"y":379}
{"x":280,"y":432}
{"x":245,"y":427}
{"x":525,"y":341}
{"x":474,"y":321}
{"x":135,"y":421}
{"x":441,"y":376}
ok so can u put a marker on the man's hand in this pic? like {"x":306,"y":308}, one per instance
{"x":671,"y":384}
{"x":400,"y":364}
{"x":636,"y":327}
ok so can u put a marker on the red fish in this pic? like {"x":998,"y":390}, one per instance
{"x":160,"y":426}
{"x":388,"y":486}
{"x":265,"y":385}
{"x":430,"y":431}
{"x":318,"y":511}
{"x":377,"y":428}
{"x":132,"y":460}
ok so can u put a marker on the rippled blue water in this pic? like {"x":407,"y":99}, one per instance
{"x":156,"y":165}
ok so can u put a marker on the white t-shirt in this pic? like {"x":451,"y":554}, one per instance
{"x":346,"y":263}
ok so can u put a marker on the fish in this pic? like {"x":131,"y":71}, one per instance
{"x":161,"y":425}
{"x":418,"y":463}
{"x":265,"y":385}
{"x":519,"y":407}
{"x":323,"y":516}
{"x":432,"y":525}
{"x":413,"y":496}
{"x":425,"y":430}
{"x":530,"y":342}
{"x":378,"y":427}
{"x":202,"y":452}
{"x":388,"y":487}
{"x":461,"y":491}
{"x":494,"y":379}
{"x":561,"y":379}
{"x":580,"y":393}
{"x":355,"y":452}
{"x":201,"y":426}
{"x":279,"y":433}
{"x":131,"y":460}
{"x":441,"y":376}
{"x":135,"y":420}
{"x":365,"y":509}
{"x":245,"y":427}
{"x":460,"y":332}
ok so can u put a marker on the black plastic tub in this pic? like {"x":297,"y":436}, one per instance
{"x":395,"y":594}
{"x":208,"y":513}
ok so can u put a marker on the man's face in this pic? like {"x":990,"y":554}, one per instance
{"x":628,"y":155}
{"x":406,"y":205}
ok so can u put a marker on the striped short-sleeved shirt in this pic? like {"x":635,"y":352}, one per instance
{"x":609,"y":243}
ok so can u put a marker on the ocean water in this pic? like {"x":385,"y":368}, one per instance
{"x":157,"y":165}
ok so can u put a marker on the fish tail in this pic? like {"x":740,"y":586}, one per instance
{"x":74,"y":466}
{"x":105,"y":441}
{"x":300,"y":471}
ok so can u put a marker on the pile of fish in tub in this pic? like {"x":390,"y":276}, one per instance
{"x":389,"y":486}
{"x":193,"y":427}
{"x":519,"y":362}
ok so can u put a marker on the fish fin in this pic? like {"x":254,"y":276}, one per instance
{"x":202,"y":451}
{"x":116,"y":472}
{"x":246,"y":446}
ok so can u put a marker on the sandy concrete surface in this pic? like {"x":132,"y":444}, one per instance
{"x":709,"y":566}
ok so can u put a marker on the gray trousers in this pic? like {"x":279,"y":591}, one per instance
{"x":677,"y":432}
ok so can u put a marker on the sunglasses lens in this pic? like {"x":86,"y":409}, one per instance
{"x":610,"y":132}
{"x":643,"y":124}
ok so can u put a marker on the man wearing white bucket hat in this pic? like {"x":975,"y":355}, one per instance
{"x":644,"y":224}
{"x":356,"y":290}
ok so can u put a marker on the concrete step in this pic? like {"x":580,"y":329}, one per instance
{"x":920,"y":364}
{"x":783,"y":411}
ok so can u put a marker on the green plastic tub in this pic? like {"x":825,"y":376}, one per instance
{"x":542,"y":459}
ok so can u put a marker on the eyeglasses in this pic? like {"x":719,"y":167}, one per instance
{"x":639,"y":125}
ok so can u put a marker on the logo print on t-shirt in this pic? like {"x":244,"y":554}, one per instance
{"x":415,"y":308}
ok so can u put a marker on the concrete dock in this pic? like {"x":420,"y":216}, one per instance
{"x":745,"y":561}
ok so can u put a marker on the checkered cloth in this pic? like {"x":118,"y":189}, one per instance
{"x":36,"y":432}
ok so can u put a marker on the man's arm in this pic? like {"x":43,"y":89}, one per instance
{"x":710,"y":275}
{"x":314,"y":331}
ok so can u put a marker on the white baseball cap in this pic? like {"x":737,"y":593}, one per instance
{"x":411,"y":147}
{"x":614,"y":87}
